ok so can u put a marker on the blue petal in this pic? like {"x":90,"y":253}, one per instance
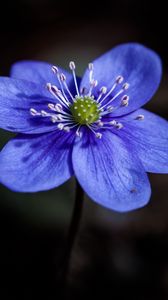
{"x":110,"y":173}
{"x":140,"y":67}
{"x":16,"y":99}
{"x":150,"y":139}
{"x":41,"y":73}
{"x":36,"y":163}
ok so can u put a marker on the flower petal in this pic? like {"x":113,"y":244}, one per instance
{"x":35,"y":163}
{"x":41,"y":73}
{"x":150,"y":139}
{"x":140,"y":67}
{"x":16,"y":99}
{"x":110,"y":173}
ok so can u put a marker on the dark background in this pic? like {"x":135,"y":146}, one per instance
{"x":115,"y":255}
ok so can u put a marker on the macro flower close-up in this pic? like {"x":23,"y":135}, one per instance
{"x":92,"y":127}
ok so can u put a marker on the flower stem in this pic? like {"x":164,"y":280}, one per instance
{"x":73,"y":229}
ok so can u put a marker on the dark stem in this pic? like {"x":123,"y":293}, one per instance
{"x":73,"y":230}
{"x":76,"y":216}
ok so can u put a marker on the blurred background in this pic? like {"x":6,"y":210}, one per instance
{"x":115,"y":255}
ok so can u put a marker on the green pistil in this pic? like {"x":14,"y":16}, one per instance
{"x":85,"y":110}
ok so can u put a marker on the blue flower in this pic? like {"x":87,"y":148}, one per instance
{"x":92,"y":127}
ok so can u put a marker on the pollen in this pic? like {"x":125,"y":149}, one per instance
{"x":85,"y":110}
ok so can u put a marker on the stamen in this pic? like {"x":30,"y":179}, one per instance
{"x":115,"y":124}
{"x":90,"y":67}
{"x":60,"y":126}
{"x":34,"y":112}
{"x":60,"y":95}
{"x":54,"y":119}
{"x":44,"y":113}
{"x":93,"y":84}
{"x":119,"y":126}
{"x":54,"y":69}
{"x":124,"y":87}
{"x":140,"y":117}
{"x":61,"y":78}
{"x":118,"y":80}
{"x":100,"y":123}
{"x":56,"y":93}
{"x":125,"y":100}
{"x":66,"y":86}
{"x":97,"y":134}
{"x":83,"y":91}
{"x":103,"y":91}
{"x":78,"y":132}
{"x":67,"y":128}
{"x":72,"y":67}
{"x":110,"y":108}
{"x":55,"y":107}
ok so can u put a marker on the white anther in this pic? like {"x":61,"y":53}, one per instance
{"x":52,"y":88}
{"x":79,"y":114}
{"x":113,"y":122}
{"x":55,"y":90}
{"x":119,"y":126}
{"x":54,"y":119}
{"x":72,"y":65}
{"x":98,"y":135}
{"x":83,"y":91}
{"x":110,"y":108}
{"x":125,"y":100}
{"x":59,"y":117}
{"x":44,"y":113}
{"x":66,"y":128}
{"x":33,"y":112}
{"x":94,"y":83}
{"x":79,"y":133}
{"x":48,"y":86}
{"x":84,"y":110}
{"x":119,"y":79}
{"x":58,"y":107}
{"x":90,"y":66}
{"x":60,"y":126}
{"x":51,"y":106}
{"x":103,"y":90}
{"x":100,"y":124}
{"x":62,"y":77}
{"x":54,"y":69}
{"x":140,"y":117}
{"x":125,"y":86}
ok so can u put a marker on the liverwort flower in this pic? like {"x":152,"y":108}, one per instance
{"x":92,"y":127}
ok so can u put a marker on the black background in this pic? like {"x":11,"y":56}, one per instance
{"x":125,"y":255}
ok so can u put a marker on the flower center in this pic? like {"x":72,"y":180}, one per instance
{"x":85,"y":110}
